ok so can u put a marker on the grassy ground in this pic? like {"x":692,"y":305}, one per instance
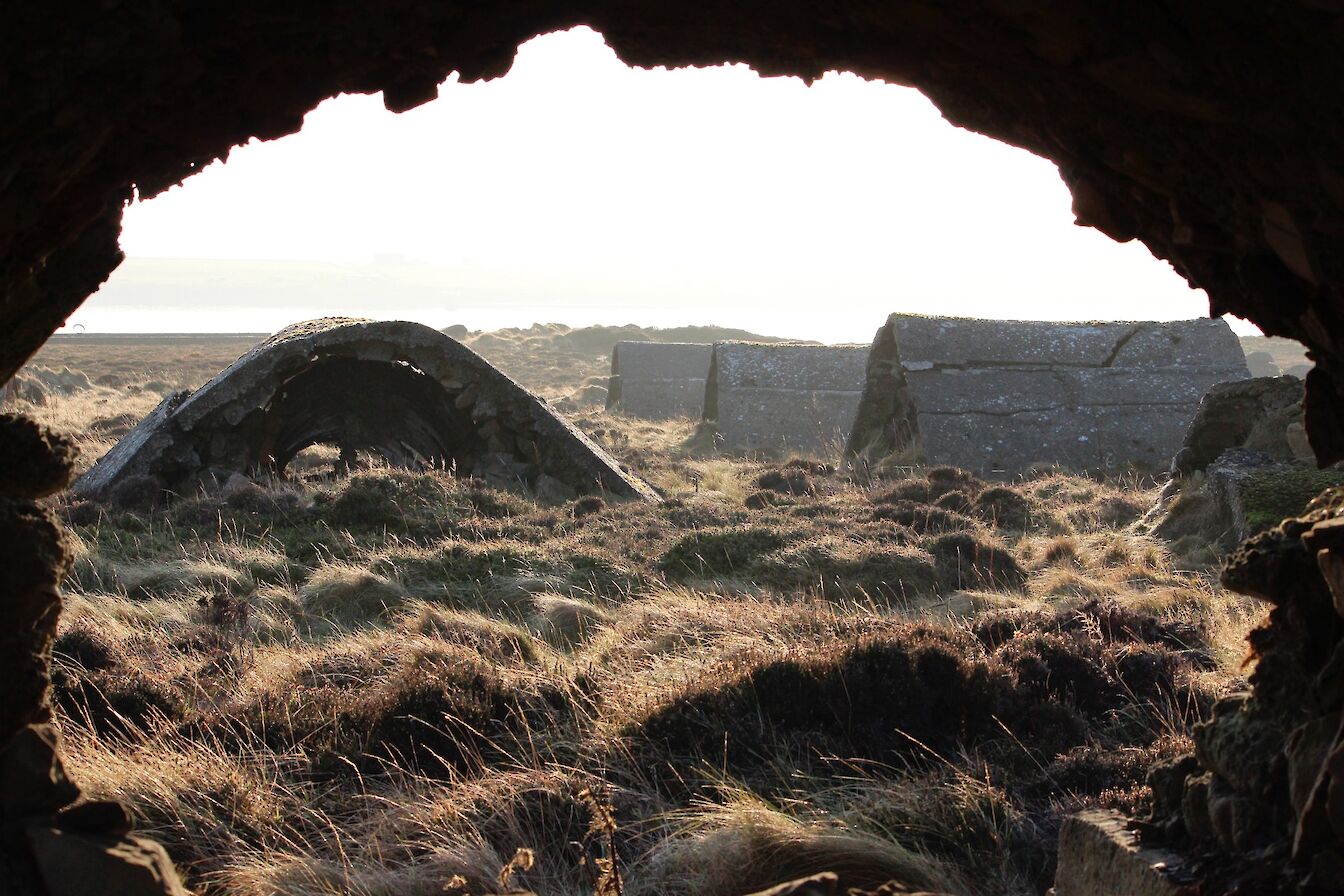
{"x":394,"y":682}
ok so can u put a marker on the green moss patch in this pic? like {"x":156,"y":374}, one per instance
{"x":1272,"y":496}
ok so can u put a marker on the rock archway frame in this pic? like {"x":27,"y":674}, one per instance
{"x":1210,"y":133}
{"x":1214,"y":139}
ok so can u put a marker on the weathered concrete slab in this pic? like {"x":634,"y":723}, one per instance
{"x":998,"y":397}
{"x":1013,"y":390}
{"x":784,"y":397}
{"x":396,"y":389}
{"x":971,"y":342}
{"x":658,"y":380}
{"x":1098,"y":856}
{"x":1087,"y":438}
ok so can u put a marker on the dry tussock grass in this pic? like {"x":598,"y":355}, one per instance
{"x":390,"y":683}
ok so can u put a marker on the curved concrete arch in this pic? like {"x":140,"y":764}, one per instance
{"x":398,"y":389}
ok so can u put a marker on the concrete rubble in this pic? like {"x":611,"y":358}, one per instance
{"x":1244,"y":465}
{"x":1099,"y":856}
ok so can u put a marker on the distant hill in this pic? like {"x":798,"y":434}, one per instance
{"x":598,"y":340}
{"x":559,"y":361}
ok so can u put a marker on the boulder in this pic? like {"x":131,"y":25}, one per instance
{"x":26,"y":388}
{"x":65,"y":847}
{"x":1263,"y":414}
{"x":1244,"y":466}
{"x":1264,"y":781}
{"x":63,"y":381}
{"x":1262,"y":364}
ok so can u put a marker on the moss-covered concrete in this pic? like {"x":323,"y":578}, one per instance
{"x":1271,"y":496}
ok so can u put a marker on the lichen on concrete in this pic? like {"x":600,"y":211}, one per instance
{"x":1273,"y":495}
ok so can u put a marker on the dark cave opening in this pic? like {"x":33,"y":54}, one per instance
{"x":391,"y":410}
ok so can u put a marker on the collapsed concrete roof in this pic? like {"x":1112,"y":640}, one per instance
{"x":658,"y":380}
{"x":783,"y":396}
{"x":998,"y":397}
{"x":396,"y":389}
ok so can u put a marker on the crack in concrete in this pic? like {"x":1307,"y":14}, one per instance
{"x":1061,"y":407}
{"x":1121,"y":343}
{"x":973,"y":364}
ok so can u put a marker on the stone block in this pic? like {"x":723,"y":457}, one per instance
{"x":1098,"y":856}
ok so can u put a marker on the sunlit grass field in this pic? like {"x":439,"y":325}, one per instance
{"x":397,"y":682}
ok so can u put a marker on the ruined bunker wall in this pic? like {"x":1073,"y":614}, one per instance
{"x":54,"y":840}
{"x":402,"y":390}
{"x":658,"y":380}
{"x":784,"y":397}
{"x":1231,"y":172}
{"x":999,"y":397}
{"x":885,"y":430}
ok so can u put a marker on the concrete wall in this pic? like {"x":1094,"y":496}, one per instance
{"x":784,"y":397}
{"x":658,"y":380}
{"x":998,"y":397}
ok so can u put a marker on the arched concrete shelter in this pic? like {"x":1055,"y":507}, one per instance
{"x":400,"y":390}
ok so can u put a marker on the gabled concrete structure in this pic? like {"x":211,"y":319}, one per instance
{"x":998,"y":397}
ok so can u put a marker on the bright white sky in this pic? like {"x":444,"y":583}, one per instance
{"x":579,"y":190}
